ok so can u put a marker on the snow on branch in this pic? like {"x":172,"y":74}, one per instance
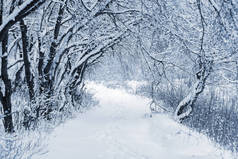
{"x":89,"y":5}
{"x":20,"y":12}
{"x":87,"y":55}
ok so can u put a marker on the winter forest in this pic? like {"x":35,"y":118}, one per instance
{"x":118,"y":79}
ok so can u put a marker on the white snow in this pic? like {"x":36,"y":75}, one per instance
{"x":120,"y":129}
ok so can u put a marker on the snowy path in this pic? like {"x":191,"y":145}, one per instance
{"x":118,"y":129}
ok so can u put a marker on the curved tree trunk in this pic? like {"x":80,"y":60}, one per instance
{"x":185,"y":107}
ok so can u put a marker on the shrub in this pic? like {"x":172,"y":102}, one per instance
{"x":215,"y":113}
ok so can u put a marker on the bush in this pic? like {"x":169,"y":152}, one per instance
{"x":30,"y":115}
{"x":215,"y":113}
{"x":217,"y":118}
{"x":22,"y":145}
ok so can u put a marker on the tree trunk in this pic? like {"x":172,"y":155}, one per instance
{"x":76,"y":81}
{"x":7,"y":108}
{"x":27,"y":66}
{"x":46,"y":83}
{"x":54,"y":44}
{"x":6,"y":99}
{"x":6,"y":96}
{"x":185,"y":107}
{"x":20,"y":14}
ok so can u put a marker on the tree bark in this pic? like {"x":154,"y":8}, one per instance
{"x":27,"y":66}
{"x":6,"y":96}
{"x":185,"y":107}
{"x":54,"y":43}
{"x":25,"y":9}
{"x":45,"y":76}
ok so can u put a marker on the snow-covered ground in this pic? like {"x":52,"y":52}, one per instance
{"x":118,"y":128}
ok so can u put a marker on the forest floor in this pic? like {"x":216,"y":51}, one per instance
{"x":120,"y":128}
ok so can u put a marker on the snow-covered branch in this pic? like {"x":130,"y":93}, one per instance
{"x":20,"y":12}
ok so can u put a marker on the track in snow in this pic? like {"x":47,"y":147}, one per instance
{"x":119,"y":129}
